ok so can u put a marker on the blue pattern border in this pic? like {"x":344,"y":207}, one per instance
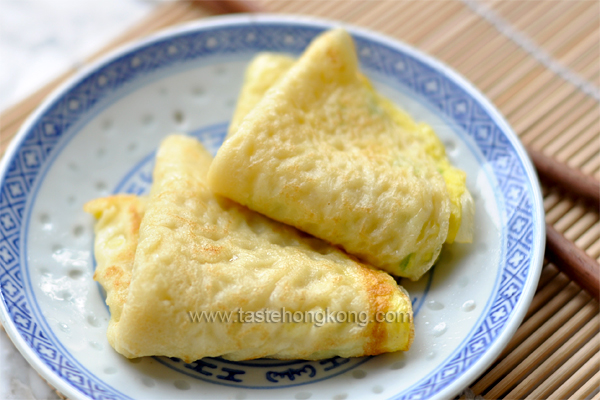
{"x":443,"y":91}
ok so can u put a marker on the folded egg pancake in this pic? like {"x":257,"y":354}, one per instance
{"x":197,"y":253}
{"x":267,"y":68}
{"x":262,"y":73}
{"x":322,"y":151}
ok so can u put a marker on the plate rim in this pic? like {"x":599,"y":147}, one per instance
{"x":530,"y":285}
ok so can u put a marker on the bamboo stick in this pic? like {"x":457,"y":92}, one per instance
{"x":559,"y":357}
{"x":578,"y":184}
{"x":565,"y":370}
{"x":577,"y":379}
{"x":587,"y":388}
{"x":537,"y":355}
{"x":573,"y":261}
{"x":580,"y":307}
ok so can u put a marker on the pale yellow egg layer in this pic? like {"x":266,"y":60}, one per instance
{"x":197,"y":252}
{"x":267,"y":68}
{"x":322,"y":151}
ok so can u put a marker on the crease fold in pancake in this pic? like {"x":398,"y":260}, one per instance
{"x":194,"y":251}
{"x":316,"y":147}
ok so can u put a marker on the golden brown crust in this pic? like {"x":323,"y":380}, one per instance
{"x":124,"y":214}
{"x":379,"y":293}
{"x":135,"y":218}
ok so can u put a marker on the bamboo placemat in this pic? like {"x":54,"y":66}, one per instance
{"x":539,"y":62}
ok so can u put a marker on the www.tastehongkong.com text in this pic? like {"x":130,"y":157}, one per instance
{"x":317,"y":317}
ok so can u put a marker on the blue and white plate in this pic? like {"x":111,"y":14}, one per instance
{"x":97,"y":135}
